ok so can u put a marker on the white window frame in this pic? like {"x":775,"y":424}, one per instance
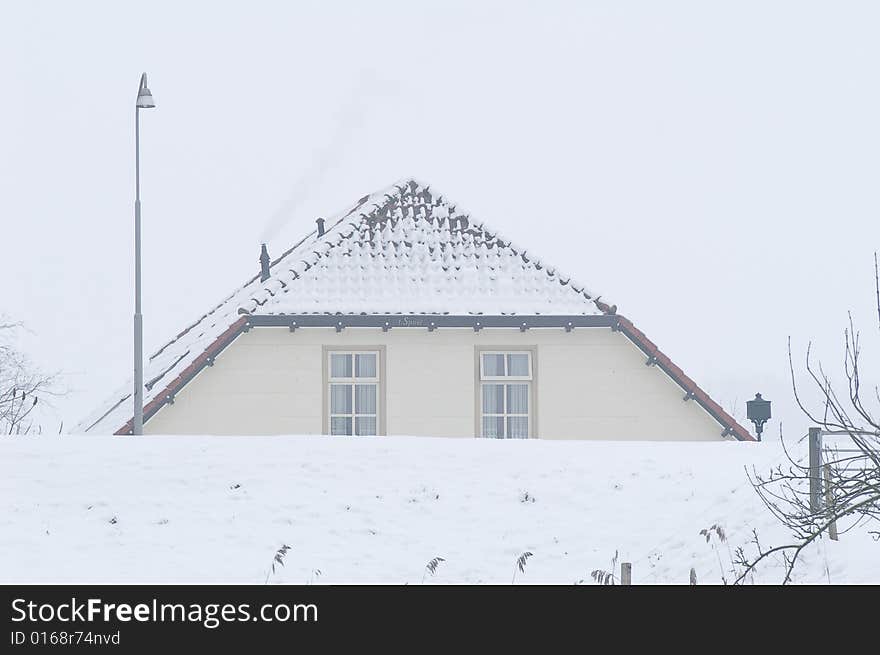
{"x":377,"y":380}
{"x":529,"y":380}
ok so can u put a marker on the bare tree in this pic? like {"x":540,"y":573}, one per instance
{"x":852,"y":473}
{"x":22,"y":385}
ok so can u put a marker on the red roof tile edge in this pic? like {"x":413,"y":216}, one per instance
{"x":187,"y":374}
{"x":693,"y":390}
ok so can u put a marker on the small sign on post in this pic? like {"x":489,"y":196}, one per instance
{"x":626,"y":572}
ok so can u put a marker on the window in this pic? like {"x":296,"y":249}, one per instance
{"x":505,"y":394}
{"x":353,"y":392}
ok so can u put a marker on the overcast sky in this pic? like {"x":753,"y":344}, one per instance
{"x":711,"y":168}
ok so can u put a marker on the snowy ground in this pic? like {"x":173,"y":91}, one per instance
{"x":376,"y":510}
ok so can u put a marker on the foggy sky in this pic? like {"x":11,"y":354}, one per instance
{"x":711,"y":169}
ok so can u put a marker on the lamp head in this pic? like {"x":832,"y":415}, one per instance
{"x":144,"y":98}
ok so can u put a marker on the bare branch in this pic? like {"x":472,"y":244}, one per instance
{"x":22,"y":387}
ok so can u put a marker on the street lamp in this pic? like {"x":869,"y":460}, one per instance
{"x":758,"y":412}
{"x":144,"y":101}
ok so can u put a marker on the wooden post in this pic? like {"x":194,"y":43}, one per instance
{"x":829,"y":501}
{"x":693,"y":577}
{"x":626,"y":573}
{"x":815,"y":439}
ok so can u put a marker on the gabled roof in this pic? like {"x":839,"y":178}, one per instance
{"x":405,"y":250}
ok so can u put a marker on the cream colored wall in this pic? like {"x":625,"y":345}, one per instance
{"x":592,"y":383}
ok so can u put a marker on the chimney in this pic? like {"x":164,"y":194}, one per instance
{"x":264,"y":264}
{"x":320,"y":223}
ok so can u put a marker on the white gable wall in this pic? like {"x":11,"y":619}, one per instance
{"x":591,"y":383}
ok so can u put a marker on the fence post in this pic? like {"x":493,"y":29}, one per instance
{"x":815,"y":439}
{"x":829,"y":502}
{"x":626,"y":573}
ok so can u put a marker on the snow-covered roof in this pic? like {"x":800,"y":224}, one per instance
{"x":406,"y":249}
{"x":409,"y":250}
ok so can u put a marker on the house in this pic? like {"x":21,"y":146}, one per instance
{"x":406,"y":316}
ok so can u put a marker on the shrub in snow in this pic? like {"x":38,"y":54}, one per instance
{"x":606,"y":577}
{"x":521,"y":564}
{"x":278,"y":559}
{"x":431,"y":567}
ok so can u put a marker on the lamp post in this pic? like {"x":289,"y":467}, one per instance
{"x":144,"y":101}
{"x":758,"y":412}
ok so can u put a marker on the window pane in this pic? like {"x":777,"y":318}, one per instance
{"x":493,"y":365}
{"x":517,"y":427}
{"x":493,"y":426}
{"x":340,"y":399}
{"x":365,"y":366}
{"x":365,"y":425}
{"x":340,"y":366}
{"x":340,"y":425}
{"x":517,"y":399}
{"x":493,"y":399}
{"x":365,"y":398}
{"x":518,"y":364}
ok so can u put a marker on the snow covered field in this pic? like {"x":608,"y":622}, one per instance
{"x":376,"y":510}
